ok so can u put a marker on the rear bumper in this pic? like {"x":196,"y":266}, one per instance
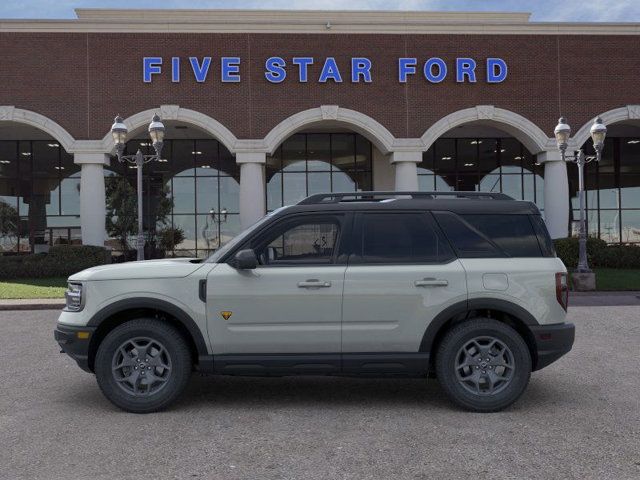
{"x":552,"y":342}
{"x":75,"y":345}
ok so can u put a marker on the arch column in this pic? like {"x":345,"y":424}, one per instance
{"x":556,"y":194}
{"x":92,"y":197}
{"x":252,"y":187}
{"x":406,"y":167}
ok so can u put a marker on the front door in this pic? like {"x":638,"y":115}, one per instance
{"x":292,"y":302}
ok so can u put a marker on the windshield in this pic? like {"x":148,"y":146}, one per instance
{"x":241,"y":237}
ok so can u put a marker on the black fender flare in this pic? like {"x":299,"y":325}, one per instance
{"x":154,"y":304}
{"x":464,"y":307}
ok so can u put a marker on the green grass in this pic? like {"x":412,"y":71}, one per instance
{"x":33,"y":288}
{"x":617,"y":279}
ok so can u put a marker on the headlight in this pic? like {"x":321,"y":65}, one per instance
{"x":73,"y":297}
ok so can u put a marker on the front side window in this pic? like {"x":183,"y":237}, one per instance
{"x":401,"y":238}
{"x":300,"y":243}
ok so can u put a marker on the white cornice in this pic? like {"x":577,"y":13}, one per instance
{"x":303,"y":21}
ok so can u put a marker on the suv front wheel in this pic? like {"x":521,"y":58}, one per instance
{"x":483,"y":365}
{"x":143,"y":365}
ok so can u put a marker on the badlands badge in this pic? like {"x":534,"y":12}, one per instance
{"x":226,"y":315}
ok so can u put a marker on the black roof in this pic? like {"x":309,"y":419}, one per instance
{"x":457,"y":202}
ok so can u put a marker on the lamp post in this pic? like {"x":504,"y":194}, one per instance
{"x":156,"y":132}
{"x":598,"y":133}
{"x":216,"y":221}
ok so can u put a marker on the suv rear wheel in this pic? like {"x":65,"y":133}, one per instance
{"x":483,"y":365}
{"x":143,"y":365}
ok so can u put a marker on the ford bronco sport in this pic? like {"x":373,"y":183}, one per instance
{"x":463,"y":286}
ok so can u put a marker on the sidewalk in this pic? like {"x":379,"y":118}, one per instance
{"x":576,"y":299}
{"x":603,"y":299}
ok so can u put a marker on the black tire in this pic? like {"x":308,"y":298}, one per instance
{"x":453,"y":351}
{"x":173,"y":349}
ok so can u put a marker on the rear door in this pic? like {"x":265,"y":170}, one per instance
{"x":401,"y":274}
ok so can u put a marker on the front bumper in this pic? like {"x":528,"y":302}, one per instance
{"x":552,"y":342}
{"x":75,"y":341}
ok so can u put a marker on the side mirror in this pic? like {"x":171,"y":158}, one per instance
{"x":245,"y":260}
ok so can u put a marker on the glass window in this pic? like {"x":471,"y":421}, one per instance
{"x":401,"y":238}
{"x":310,"y":242}
{"x":343,"y":151}
{"x":629,"y":155}
{"x":514,"y":234}
{"x":630,"y":226}
{"x":8,"y":159}
{"x":489,"y":151}
{"x":544,"y":240}
{"x":319,"y":152}
{"x":308,"y":163}
{"x":468,"y":242}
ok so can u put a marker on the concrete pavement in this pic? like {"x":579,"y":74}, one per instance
{"x":579,"y":418}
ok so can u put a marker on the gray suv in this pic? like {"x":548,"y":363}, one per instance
{"x":462,"y":286}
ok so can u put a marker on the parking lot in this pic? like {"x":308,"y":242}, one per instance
{"x":579,"y":418}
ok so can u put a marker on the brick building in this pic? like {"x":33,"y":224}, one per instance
{"x":263,"y":108}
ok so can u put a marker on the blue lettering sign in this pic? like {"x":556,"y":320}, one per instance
{"x":275,"y":69}
{"x":360,"y":67}
{"x":303,"y":67}
{"x":331,"y":71}
{"x":465,"y":67}
{"x":230,"y":67}
{"x":428,"y":70}
{"x":150,"y":66}
{"x":406,"y":66}
{"x":175,"y":69}
{"x":200,"y":71}
{"x":434,"y":69}
{"x":496,"y":70}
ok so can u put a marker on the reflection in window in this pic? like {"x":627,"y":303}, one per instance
{"x":482,"y":164}
{"x":309,"y":163}
{"x":200,"y":180}
{"x":612,"y":191}
{"x":305,"y":243}
{"x":39,"y":196}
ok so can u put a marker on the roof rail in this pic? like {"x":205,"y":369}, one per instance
{"x":375,"y":196}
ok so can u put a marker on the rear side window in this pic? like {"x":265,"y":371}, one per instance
{"x":544,"y":240}
{"x":401,"y":238}
{"x":514,"y":234}
{"x":466,"y":239}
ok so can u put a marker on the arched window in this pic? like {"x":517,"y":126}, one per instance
{"x":308,"y":163}
{"x":482,"y":164}
{"x":194,"y":189}
{"x":612,"y":187}
{"x":39,"y":196}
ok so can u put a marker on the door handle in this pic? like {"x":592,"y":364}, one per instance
{"x":431,"y":282}
{"x":313,"y":283}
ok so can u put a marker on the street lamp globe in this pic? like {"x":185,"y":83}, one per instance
{"x":119,"y":131}
{"x":156,"y":129}
{"x":156,"y":132}
{"x":598,"y":134}
{"x":562,"y":133}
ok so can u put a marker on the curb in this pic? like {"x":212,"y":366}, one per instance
{"x":36,"y":304}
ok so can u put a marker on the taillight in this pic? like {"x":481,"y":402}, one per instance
{"x":562,"y":290}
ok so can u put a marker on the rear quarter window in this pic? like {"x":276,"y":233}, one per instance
{"x":513,"y":234}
